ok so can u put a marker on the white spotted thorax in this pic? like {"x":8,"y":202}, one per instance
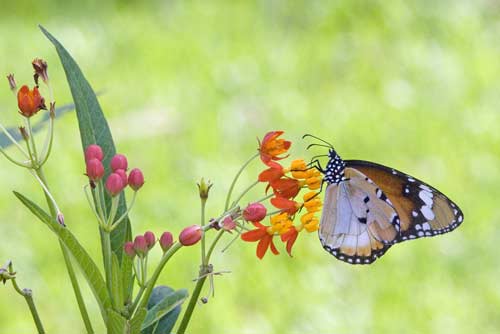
{"x":334,"y":172}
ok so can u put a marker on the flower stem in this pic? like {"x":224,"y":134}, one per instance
{"x":28,"y":296}
{"x":228,"y":198}
{"x":107,"y":263}
{"x":151,"y":283}
{"x":198,"y":287}
{"x":67,"y":260}
{"x":235,"y":202}
{"x":203,"y":258}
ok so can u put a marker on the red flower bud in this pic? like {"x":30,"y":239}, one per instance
{"x":166,"y":241}
{"x":93,"y":151}
{"x":140,"y":245}
{"x":228,"y":223}
{"x":95,"y":170}
{"x":254,"y":212}
{"x":150,"y":239}
{"x":190,"y":235}
{"x":129,"y":249}
{"x":135,"y":179}
{"x":123,"y":175}
{"x":40,"y":67}
{"x":114,"y":184}
{"x":119,"y":161}
{"x":29,"y":101}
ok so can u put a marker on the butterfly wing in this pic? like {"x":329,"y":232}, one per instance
{"x":423,"y":210}
{"x":358,"y":224}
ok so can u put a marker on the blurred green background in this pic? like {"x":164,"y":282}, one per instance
{"x":188,"y":86}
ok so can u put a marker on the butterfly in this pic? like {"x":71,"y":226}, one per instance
{"x":370,"y":207}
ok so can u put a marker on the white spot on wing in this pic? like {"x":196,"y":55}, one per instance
{"x":427,"y":212}
{"x":426,"y":197}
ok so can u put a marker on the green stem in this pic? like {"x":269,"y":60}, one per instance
{"x":33,"y":146}
{"x":203,"y":203}
{"x":7,"y":133}
{"x":69,"y":265}
{"x":152,"y":281}
{"x":28,"y":296}
{"x":12,"y":159}
{"x":197,"y":289}
{"x":236,"y":201}
{"x":228,"y":198}
{"x":137,"y":298}
{"x":107,"y":264}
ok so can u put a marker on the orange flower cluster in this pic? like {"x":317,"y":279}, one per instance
{"x":286,"y":184}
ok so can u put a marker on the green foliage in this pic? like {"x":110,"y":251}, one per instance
{"x":85,"y":262}
{"x":164,"y":307}
{"x":94,"y":129}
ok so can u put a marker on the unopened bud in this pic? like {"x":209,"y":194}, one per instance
{"x":128,"y":248}
{"x":123,"y":175}
{"x":204,"y":188}
{"x":94,"y":151}
{"x":95,"y":170}
{"x":119,"y":161}
{"x":166,"y":241}
{"x":150,"y":239}
{"x":12,"y":82}
{"x":52,"y":110}
{"x":254,"y":212}
{"x":40,"y":67}
{"x":140,"y":245}
{"x":60,"y":219}
{"x":190,"y":235}
{"x":228,"y":223}
{"x":114,"y":184}
{"x":136,"y":179}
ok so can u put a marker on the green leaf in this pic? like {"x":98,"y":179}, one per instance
{"x":136,"y":321}
{"x":116,"y":323}
{"x":88,"y":267}
{"x":127,"y":278}
{"x":94,"y":129}
{"x":162,"y":315}
{"x":116,"y":282}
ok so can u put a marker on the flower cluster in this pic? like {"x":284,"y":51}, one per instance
{"x":286,"y":184}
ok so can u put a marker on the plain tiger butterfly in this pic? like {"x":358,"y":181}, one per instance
{"x":369,"y":207}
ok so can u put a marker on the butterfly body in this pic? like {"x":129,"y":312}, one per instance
{"x":370,"y":207}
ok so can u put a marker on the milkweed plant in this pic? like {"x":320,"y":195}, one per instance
{"x":126,"y":286}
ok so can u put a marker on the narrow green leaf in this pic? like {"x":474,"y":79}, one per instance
{"x":116,"y":323}
{"x":116,"y":282}
{"x":136,"y":321}
{"x":94,"y":129}
{"x":88,"y":267}
{"x":127,"y":278}
{"x":167,"y":304}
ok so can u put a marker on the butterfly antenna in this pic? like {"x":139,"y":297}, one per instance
{"x":322,"y":145}
{"x":312,"y":136}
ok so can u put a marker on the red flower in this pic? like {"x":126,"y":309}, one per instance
{"x":29,"y":101}
{"x":285,"y":205}
{"x":271,"y":147}
{"x":261,"y":235}
{"x":272,"y":174}
{"x":289,"y":237}
{"x":286,"y":188}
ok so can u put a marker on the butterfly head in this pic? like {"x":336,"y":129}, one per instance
{"x":334,"y":171}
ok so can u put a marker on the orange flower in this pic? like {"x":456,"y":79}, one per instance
{"x":289,"y":237}
{"x":272,"y":174}
{"x":264,"y":236}
{"x":271,"y":147}
{"x":29,"y":101}
{"x":285,"y":205}
{"x":287,"y":188}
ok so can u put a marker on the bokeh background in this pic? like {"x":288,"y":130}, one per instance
{"x":188,"y":86}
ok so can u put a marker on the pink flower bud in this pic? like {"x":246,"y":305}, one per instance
{"x":119,"y":161}
{"x":93,"y":152}
{"x":95,"y":169}
{"x":129,"y":249}
{"x":190,"y":235}
{"x":123,"y":175}
{"x":166,"y":241}
{"x":140,"y":245}
{"x":254,"y":212}
{"x":114,"y":184}
{"x":150,"y":239}
{"x":228,"y":223}
{"x":135,"y":179}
